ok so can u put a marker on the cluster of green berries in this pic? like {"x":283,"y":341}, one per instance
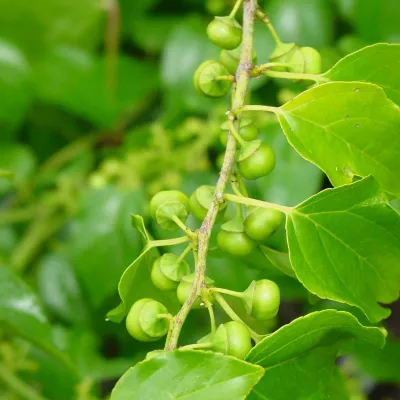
{"x":148,"y":320}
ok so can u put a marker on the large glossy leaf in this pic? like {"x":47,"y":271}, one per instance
{"x":189,"y":375}
{"x":135,"y":282}
{"x":299,"y":357}
{"x":345,"y":128}
{"x":102,"y":241}
{"x":379,"y":64}
{"x":344,"y":245}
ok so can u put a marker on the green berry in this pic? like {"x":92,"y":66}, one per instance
{"x":232,"y":338}
{"x":312,"y":60}
{"x":256,"y":159}
{"x":233,"y":239}
{"x":225,"y":32}
{"x":231,"y":58}
{"x":262,"y":222}
{"x":247,"y":130}
{"x":185,"y":289}
{"x":142,"y":321}
{"x":200,"y":201}
{"x":167,"y":204}
{"x":205,"y":82}
{"x":167,"y":271}
{"x":262,"y":299}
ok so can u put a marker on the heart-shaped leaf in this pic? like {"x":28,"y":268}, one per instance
{"x":299,"y":357}
{"x":379,"y":64}
{"x":189,"y":375}
{"x":344,"y":245}
{"x":346,"y":129}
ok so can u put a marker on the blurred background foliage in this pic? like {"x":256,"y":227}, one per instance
{"x":97,"y":113}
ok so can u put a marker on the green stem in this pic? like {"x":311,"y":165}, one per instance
{"x":18,"y":215}
{"x":231,"y":314}
{"x":189,"y":232}
{"x":112,"y":44}
{"x":185,"y":252}
{"x":230,"y":78}
{"x":212,"y":316}
{"x":204,"y":233}
{"x":275,"y":110}
{"x":259,"y":69}
{"x":169,"y":317}
{"x":168,"y":242}
{"x":296,"y":76}
{"x":257,"y":203}
{"x":228,"y":292}
{"x":236,"y":8}
{"x":242,"y":186}
{"x":196,"y":346}
{"x":17,"y":385}
{"x":260,"y":15}
{"x":235,"y":133}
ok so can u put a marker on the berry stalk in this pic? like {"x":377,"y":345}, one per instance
{"x":204,"y":233}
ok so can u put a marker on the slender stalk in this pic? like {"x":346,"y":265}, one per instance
{"x":212,"y":316}
{"x":274,"y":110}
{"x":262,"y":17}
{"x":257,"y":203}
{"x":169,"y":242}
{"x":17,"y":385}
{"x":228,"y":292}
{"x":230,"y":78}
{"x":196,"y":346}
{"x":18,"y":215}
{"x":259,"y":69}
{"x":236,"y":8}
{"x":112,"y":44}
{"x":297,"y":76}
{"x":235,"y":188}
{"x":242,"y":186}
{"x":229,"y":311}
{"x":185,"y":229}
{"x":185,"y":252}
{"x":165,"y":316}
{"x":204,"y":233}
{"x":235,"y":133}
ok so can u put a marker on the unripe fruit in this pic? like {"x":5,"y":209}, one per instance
{"x":166,"y":204}
{"x":262,"y":299}
{"x":231,"y":58}
{"x":185,"y":290}
{"x":312,"y":60}
{"x":232,"y":338}
{"x":142,"y":322}
{"x":247,"y":130}
{"x":205,"y":82}
{"x":225,"y":32}
{"x":288,"y":53}
{"x":167,"y":271}
{"x":256,"y":159}
{"x":232,"y":239}
{"x":262,"y":222}
{"x":200,"y":201}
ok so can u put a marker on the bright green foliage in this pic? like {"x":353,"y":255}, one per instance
{"x":344,"y":128}
{"x":342,"y":234}
{"x":177,"y":377}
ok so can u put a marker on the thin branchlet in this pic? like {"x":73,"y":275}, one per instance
{"x":204,"y":233}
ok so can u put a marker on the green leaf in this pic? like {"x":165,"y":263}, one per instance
{"x":379,"y":64}
{"x":102,"y":241}
{"x":36,"y":26}
{"x":293,"y":179}
{"x":21,"y":161}
{"x":79,"y":82}
{"x":305,"y":351}
{"x":191,"y":375}
{"x":60,"y":290}
{"x":135,"y":282}
{"x":15,"y":86}
{"x":279,"y":260}
{"x":344,"y":245}
{"x":344,"y":128}
{"x":381,"y":364}
{"x":298,"y":21}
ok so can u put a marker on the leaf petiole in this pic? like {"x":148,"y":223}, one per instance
{"x":168,"y":242}
{"x":297,"y":76}
{"x":257,"y":203}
